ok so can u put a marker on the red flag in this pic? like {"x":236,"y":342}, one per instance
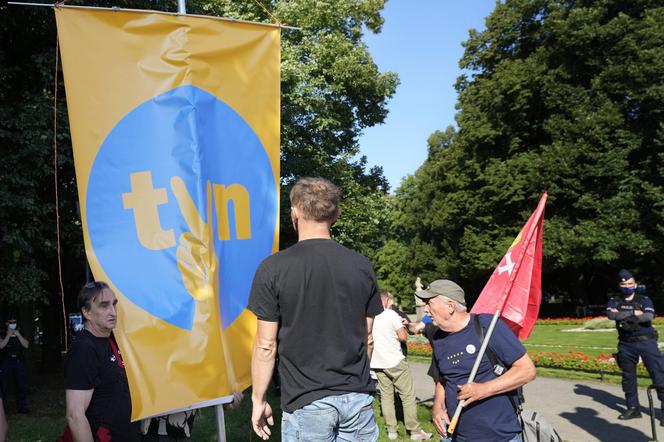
{"x":515,"y":287}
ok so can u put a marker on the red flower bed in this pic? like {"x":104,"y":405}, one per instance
{"x":579,"y":321}
{"x":571,"y":360}
{"x":418,"y":349}
{"x":576,"y":360}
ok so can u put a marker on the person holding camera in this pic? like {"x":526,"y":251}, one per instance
{"x":13,"y":346}
{"x":633,"y":313}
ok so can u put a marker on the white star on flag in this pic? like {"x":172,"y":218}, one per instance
{"x":509,"y":265}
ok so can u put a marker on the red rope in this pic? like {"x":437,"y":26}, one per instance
{"x":55,"y":186}
{"x":269,"y":13}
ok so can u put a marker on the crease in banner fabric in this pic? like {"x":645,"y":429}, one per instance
{"x":175,"y":130}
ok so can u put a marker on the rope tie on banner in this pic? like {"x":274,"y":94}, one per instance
{"x":55,"y":182}
{"x":276,"y":20}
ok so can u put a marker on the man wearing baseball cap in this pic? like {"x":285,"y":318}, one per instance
{"x":633,"y":313}
{"x":488,"y":414}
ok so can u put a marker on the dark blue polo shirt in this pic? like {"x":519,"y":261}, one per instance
{"x":492,"y":419}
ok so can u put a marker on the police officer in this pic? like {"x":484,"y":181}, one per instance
{"x":13,"y":346}
{"x":633,"y":313}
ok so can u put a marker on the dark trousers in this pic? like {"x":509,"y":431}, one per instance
{"x":628,"y":358}
{"x":155,"y":438}
{"x":14,"y":368}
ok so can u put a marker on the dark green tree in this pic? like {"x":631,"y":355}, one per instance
{"x":557,"y":96}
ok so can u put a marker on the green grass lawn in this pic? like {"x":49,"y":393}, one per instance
{"x":559,"y":338}
{"x":423,"y":415}
{"x":46,"y":420}
{"x":555,"y":338}
{"x":563,"y":338}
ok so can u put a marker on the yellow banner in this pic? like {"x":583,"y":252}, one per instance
{"x":175,"y":128}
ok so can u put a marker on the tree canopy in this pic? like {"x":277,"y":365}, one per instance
{"x":557,"y":96}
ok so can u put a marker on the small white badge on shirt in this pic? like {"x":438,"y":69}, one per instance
{"x":470,"y":349}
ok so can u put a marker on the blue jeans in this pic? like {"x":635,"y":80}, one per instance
{"x":347,"y":417}
{"x":517,"y":438}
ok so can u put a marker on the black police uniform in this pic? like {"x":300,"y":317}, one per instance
{"x":13,"y":366}
{"x":636,"y":338}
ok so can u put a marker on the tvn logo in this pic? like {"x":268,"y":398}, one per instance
{"x":182,"y":205}
{"x":144,"y":200}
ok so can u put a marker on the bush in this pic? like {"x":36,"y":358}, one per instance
{"x":599,"y":323}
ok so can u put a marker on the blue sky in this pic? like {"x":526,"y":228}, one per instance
{"x":421,"y":41}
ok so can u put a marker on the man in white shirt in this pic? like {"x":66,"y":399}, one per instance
{"x":393,"y":371}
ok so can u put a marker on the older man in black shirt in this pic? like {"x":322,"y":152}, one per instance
{"x":97,"y":391}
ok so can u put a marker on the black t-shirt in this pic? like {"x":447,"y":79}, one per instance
{"x":13,"y":349}
{"x":321,"y":294}
{"x":92,"y":364}
{"x":432,"y":332}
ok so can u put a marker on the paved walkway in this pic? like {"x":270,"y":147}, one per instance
{"x":581,"y":411}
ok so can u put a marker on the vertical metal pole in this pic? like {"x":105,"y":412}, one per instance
{"x":221,"y":424}
{"x":182,"y":7}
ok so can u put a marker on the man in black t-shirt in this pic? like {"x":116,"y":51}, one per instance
{"x":97,"y":391}
{"x":317,"y":299}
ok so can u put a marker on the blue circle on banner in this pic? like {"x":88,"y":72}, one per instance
{"x":190,"y":134}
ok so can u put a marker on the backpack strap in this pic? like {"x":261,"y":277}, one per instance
{"x":494,"y":362}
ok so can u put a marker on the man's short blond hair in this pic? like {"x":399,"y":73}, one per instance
{"x":317,"y":199}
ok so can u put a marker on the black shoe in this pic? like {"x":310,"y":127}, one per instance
{"x":630,"y":413}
